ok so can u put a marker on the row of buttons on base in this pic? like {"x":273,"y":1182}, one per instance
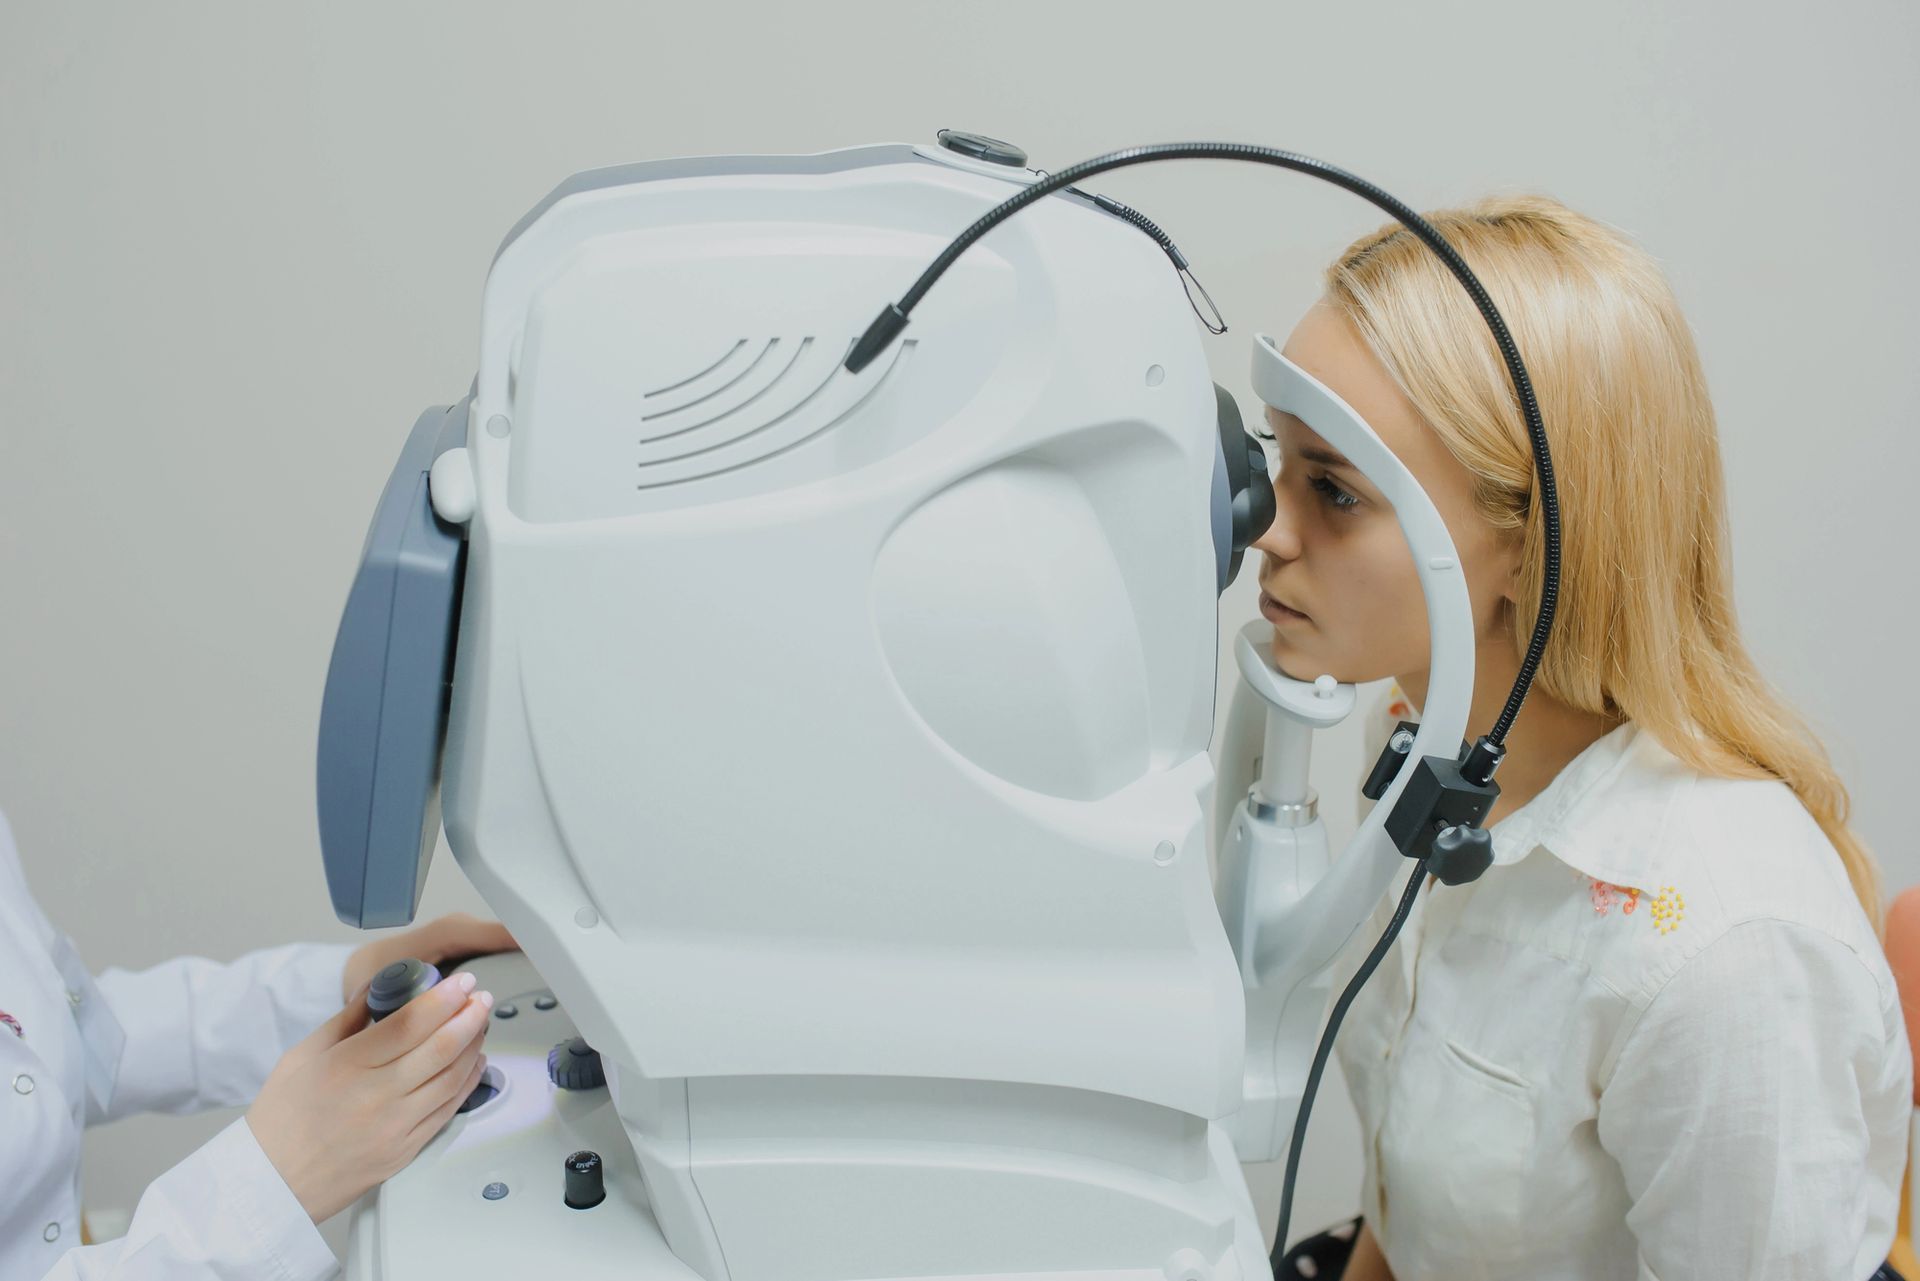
{"x":510,"y":1010}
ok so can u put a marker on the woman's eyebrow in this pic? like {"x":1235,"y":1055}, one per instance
{"x":1325,"y":457}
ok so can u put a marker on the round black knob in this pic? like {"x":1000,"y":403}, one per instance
{"x":575,"y":1065}
{"x":399,"y":983}
{"x":586,"y":1183}
{"x":981,"y":147}
{"x":1460,"y":854}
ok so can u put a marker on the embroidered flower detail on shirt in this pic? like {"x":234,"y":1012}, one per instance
{"x":13,"y":1023}
{"x":1668,"y":910}
{"x":1605,"y":894}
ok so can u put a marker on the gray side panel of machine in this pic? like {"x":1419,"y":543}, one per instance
{"x":383,"y":717}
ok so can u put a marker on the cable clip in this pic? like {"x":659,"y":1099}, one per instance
{"x":1438,"y":815}
{"x":1216,"y":323}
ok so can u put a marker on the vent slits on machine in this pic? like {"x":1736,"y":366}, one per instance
{"x":809,"y":396}
{"x":661,"y":391}
{"x":737,"y":366}
{"x":676,"y":423}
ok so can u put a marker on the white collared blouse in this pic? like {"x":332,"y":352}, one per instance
{"x":1658,"y":1039}
{"x":183,"y":1036}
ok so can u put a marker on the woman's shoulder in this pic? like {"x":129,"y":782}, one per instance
{"x":1761,"y":937}
{"x":1634,"y":862}
{"x":1712,"y":856}
{"x":1757,"y":854}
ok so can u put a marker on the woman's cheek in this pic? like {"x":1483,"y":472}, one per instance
{"x":1389,"y":628}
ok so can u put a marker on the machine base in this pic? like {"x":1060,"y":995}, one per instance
{"x":484,"y":1200}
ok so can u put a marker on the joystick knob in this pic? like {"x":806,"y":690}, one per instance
{"x":399,"y":983}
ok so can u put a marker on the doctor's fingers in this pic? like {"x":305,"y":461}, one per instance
{"x":449,"y":1082}
{"x":458,"y":1036}
{"x":350,"y":1018}
{"x":414,"y":1023}
{"x":436,"y":1120}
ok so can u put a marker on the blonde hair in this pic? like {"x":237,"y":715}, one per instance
{"x":1645,"y":627}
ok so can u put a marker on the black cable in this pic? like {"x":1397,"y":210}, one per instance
{"x":887,"y":326}
{"x":1360,"y":976}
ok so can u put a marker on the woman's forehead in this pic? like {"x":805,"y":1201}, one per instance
{"x":1326,"y":345}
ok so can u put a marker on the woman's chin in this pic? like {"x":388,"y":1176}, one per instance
{"x":1299,"y":663}
{"x":1304,"y":664}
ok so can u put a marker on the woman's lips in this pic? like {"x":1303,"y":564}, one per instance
{"x":1277,"y":614}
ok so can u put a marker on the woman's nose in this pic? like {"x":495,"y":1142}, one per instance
{"x":1282,"y":539}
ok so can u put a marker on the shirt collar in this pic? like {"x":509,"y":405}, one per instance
{"x":1600,"y":815}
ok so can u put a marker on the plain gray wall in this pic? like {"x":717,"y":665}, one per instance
{"x":242,"y":245}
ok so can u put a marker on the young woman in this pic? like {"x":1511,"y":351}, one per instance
{"x":336,"y":1105}
{"x":1658,"y":1039}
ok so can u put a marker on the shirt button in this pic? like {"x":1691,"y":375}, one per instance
{"x":73,"y":999}
{"x":23,"y":1084}
{"x":52,"y":1233}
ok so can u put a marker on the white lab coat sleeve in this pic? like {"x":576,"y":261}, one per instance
{"x":223,"y":1214}
{"x":1754,"y":1110}
{"x":205,"y":1035}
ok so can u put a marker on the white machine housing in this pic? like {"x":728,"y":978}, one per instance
{"x":836,"y":745}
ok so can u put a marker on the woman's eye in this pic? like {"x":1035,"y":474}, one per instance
{"x":1331,"y":492}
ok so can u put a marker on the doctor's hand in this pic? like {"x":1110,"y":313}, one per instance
{"x":456,"y":937}
{"x":350,"y":1106}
